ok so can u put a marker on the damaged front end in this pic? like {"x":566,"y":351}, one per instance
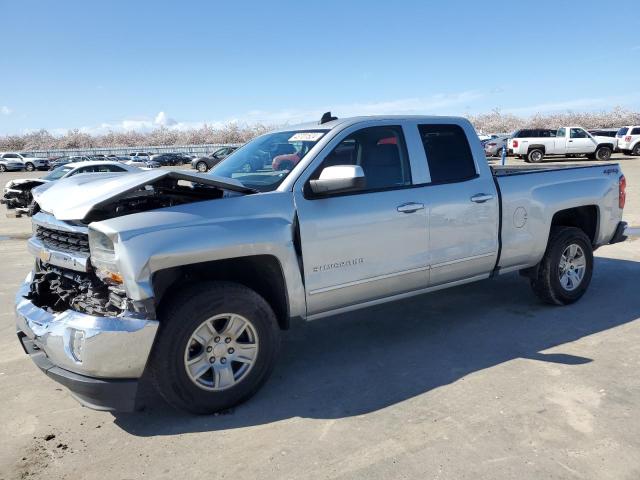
{"x":77,"y":317}
{"x":17,"y":194}
{"x":57,"y":290}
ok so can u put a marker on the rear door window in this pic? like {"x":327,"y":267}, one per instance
{"x":635,"y":131}
{"x":448,"y":153}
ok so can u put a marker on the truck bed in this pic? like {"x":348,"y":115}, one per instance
{"x":507,"y":170}
{"x":529,"y":203}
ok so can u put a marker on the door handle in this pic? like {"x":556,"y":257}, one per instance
{"x":410,"y":207}
{"x":481,"y":197}
{"x":570,"y":141}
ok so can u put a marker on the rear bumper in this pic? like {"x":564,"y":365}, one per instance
{"x":99,"y":359}
{"x":624,"y":231}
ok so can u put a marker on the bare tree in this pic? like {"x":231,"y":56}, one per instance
{"x":492,"y":122}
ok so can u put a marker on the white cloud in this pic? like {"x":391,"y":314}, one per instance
{"x":4,"y":110}
{"x":440,"y":103}
{"x":163,"y":120}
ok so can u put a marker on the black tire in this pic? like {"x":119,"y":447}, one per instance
{"x":636,"y":150}
{"x":546,"y":284}
{"x":535,"y":155}
{"x":202,"y":167}
{"x":185,"y":312}
{"x":29,"y":167}
{"x":603,"y":153}
{"x":3,"y":168}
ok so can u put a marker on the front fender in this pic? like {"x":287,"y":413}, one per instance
{"x":260,"y":224}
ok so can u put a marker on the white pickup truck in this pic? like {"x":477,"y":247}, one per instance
{"x":535,"y":144}
{"x":190,"y":278}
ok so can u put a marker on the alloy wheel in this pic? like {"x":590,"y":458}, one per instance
{"x":572,"y":268}
{"x":221,"y":352}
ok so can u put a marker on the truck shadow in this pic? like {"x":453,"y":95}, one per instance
{"x":365,"y":361}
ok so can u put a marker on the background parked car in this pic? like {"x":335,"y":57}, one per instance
{"x":168,"y":158}
{"x":143,"y":156}
{"x":10,"y":164}
{"x":629,"y":140}
{"x":141,"y":162}
{"x":494,"y":146}
{"x":66,"y":160}
{"x":607,"y":132}
{"x":30,"y":162}
{"x":17,"y":193}
{"x":202,"y":164}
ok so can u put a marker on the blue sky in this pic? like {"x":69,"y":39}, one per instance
{"x":135,"y":64}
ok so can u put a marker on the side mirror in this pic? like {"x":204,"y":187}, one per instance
{"x":338,"y":179}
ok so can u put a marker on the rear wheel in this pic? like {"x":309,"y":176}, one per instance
{"x":603,"y":153}
{"x":216,"y":346}
{"x":535,"y":156}
{"x":3,"y":168}
{"x":636,"y":150}
{"x":564,"y":273}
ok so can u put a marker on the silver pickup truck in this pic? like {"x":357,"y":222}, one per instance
{"x":190,"y":278}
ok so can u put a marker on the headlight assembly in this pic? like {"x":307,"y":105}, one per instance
{"x":103,"y":257}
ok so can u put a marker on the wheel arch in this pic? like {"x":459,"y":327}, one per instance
{"x":537,"y":147}
{"x":605,"y":144}
{"x":586,"y":218}
{"x":261,"y":273}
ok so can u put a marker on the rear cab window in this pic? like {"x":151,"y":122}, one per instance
{"x":448,"y":153}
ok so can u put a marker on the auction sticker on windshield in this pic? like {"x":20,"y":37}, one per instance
{"x":306,"y":137}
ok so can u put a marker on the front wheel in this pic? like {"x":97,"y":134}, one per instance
{"x":3,"y":168}
{"x":201,"y":167}
{"x":603,"y":153}
{"x":216,"y":346}
{"x":564,"y":273}
{"x":30,"y":167}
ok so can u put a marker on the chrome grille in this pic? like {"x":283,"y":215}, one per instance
{"x":58,"y":239}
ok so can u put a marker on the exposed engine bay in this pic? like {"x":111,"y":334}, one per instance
{"x":166,"y":192}
{"x":56,"y":290}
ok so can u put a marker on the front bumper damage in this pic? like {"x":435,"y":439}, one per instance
{"x":98,"y":358}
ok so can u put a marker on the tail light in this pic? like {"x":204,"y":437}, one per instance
{"x":627,"y":138}
{"x":622,"y":191}
{"x":515,"y":144}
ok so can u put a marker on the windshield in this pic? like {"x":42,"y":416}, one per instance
{"x":622,"y":132}
{"x":58,"y":173}
{"x":265,"y":162}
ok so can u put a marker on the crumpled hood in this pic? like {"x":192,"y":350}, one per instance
{"x":21,"y":181}
{"x":74,"y":197}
